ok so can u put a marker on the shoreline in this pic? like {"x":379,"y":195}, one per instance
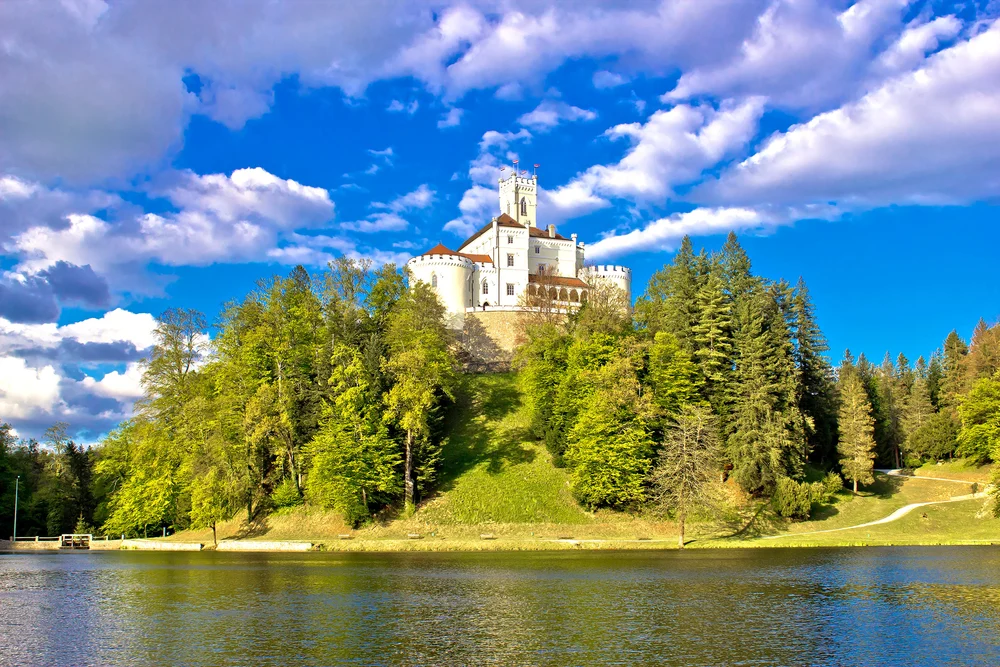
{"x":443,"y":545}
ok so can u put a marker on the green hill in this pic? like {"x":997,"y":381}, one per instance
{"x":492,"y":471}
{"x":495,"y":479}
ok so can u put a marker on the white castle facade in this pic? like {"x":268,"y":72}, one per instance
{"x":511,"y":257}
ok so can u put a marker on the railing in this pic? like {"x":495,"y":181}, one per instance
{"x":75,"y":541}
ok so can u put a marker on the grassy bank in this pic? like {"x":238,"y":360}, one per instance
{"x":496,"y":481}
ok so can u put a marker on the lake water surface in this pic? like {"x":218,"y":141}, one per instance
{"x":875,"y":606}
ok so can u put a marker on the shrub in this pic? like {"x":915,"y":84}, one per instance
{"x":286,"y":495}
{"x":832,"y":483}
{"x":792,"y":499}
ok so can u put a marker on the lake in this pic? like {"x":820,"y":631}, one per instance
{"x":863,"y":606}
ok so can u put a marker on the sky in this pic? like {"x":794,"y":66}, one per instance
{"x":157,"y":154}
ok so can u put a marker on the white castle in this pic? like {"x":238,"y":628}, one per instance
{"x":510,"y":257}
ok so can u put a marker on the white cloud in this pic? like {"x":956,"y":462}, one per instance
{"x":452,"y":118}
{"x":113,"y":326}
{"x":666,"y":233}
{"x":125,"y":387}
{"x":929,"y":136}
{"x":549,"y":114}
{"x":673,"y":147}
{"x":800,"y":54}
{"x":377,"y":222}
{"x":24,"y":390}
{"x":397,"y":107}
{"x":916,"y":42}
{"x":604,"y":79}
{"x":479,"y":204}
{"x":420,"y":198}
{"x":219,"y":219}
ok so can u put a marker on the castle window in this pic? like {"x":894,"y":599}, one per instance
{"x":434,"y":280}
{"x":510,"y":260}
{"x":542,"y":268}
{"x":510,"y":239}
{"x":486,"y":287}
{"x":510,"y":289}
{"x":538,"y":249}
{"x":524,"y":206}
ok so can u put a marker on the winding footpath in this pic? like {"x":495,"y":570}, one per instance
{"x":902,"y":511}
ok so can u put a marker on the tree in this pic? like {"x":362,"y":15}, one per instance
{"x":953,"y":375}
{"x":179,"y":346}
{"x":670,"y":303}
{"x":934,"y":439}
{"x":767,"y":439}
{"x":422,"y":369}
{"x":610,"y":445}
{"x":979,"y":411}
{"x":857,"y":443}
{"x":209,"y":502}
{"x":672,"y":376}
{"x":353,"y":457}
{"x":816,"y":398}
{"x":713,"y":338}
{"x":916,"y":411}
{"x":687,"y":463}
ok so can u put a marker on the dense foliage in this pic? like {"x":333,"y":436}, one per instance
{"x":330,"y":390}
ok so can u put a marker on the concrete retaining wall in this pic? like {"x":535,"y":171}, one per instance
{"x":260,"y":545}
{"x":151,"y":545}
{"x":24,"y":545}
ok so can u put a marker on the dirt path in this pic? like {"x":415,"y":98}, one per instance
{"x":901,"y":512}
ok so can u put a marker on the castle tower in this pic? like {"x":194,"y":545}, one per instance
{"x":519,"y":198}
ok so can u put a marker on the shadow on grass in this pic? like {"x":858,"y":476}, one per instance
{"x":259,"y":526}
{"x":477,"y":431}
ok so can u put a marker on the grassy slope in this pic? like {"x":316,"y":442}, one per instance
{"x":495,"y":479}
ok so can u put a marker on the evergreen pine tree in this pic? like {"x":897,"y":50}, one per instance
{"x":953,"y":370}
{"x":713,"y":339}
{"x":816,"y":401}
{"x":767,"y":438}
{"x":857,"y":444}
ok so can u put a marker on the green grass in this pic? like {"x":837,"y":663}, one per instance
{"x":954,"y":469}
{"x":492,"y":471}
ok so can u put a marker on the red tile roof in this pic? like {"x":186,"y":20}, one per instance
{"x":441,"y":249}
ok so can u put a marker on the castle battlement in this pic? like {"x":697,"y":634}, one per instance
{"x":512,"y":260}
{"x":608,"y":268}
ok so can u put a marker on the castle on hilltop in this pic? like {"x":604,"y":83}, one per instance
{"x":512,"y":257}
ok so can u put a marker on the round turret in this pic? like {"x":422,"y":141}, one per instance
{"x":450,"y":276}
{"x":619,"y":276}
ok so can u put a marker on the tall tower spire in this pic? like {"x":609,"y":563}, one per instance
{"x":519,"y":196}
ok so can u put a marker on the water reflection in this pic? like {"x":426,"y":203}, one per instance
{"x":894,"y":606}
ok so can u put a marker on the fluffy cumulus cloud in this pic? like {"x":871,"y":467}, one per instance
{"x":549,"y":114}
{"x":86,"y":373}
{"x":930,"y":136}
{"x":217,"y":218}
{"x":672,"y":148}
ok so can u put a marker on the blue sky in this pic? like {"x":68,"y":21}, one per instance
{"x":157,"y":154}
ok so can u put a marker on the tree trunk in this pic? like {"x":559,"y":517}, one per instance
{"x":680,"y":537}
{"x":855,"y":486}
{"x":408,"y":473}
{"x":214,"y":541}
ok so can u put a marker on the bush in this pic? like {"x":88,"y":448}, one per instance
{"x":792,"y":499}
{"x":286,"y":495}
{"x":832,"y":483}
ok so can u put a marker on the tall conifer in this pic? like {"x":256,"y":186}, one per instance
{"x":857,"y":444}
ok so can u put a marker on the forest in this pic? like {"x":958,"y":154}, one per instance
{"x":331,"y":391}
